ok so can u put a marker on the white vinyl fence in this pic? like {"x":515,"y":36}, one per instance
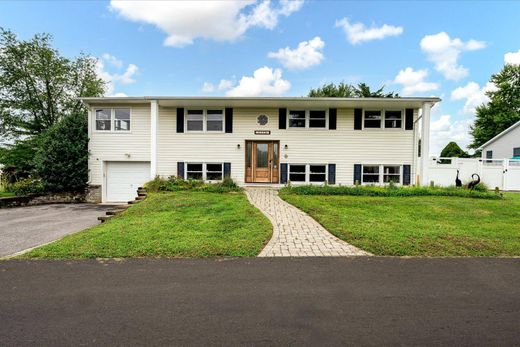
{"x":501,"y":173}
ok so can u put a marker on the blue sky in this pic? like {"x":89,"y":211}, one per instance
{"x":446,"y":49}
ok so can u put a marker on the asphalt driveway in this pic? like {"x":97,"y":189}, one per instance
{"x":26,"y":227}
{"x":365,"y":301}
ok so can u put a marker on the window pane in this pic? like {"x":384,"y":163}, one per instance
{"x":389,"y":170}
{"x":195,"y":112}
{"x":296,"y":119}
{"x":249,"y":154}
{"x":516,"y":152}
{"x":103,"y":119}
{"x":214,"y":167}
{"x":489,"y":154}
{"x":297,"y":168}
{"x":275,"y":155}
{"x":194,"y":167}
{"x":317,"y":123}
{"x":297,"y":177}
{"x":194,"y":175}
{"x":317,"y":169}
{"x":371,"y":169}
{"x":215,"y":112}
{"x":214,"y":176}
{"x":122,"y":119}
{"x":262,"y":154}
{"x":372,"y":119}
{"x":370,"y":178}
{"x":317,"y":177}
{"x":393,"y":119}
{"x":317,"y":114}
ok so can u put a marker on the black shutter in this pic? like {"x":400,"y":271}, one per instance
{"x":333,"y":115}
{"x":227,"y":170}
{"x":406,"y":175}
{"x":283,"y":173}
{"x":357,"y":173}
{"x":282,"y":118}
{"x":229,"y":120}
{"x":180,"y":120}
{"x":358,"y":119}
{"x":180,"y":169}
{"x":408,"y":119}
{"x":332,"y":173}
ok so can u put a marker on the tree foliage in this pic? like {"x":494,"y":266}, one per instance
{"x":453,"y":150}
{"x":502,"y":111}
{"x":38,"y":86}
{"x":345,"y":90}
{"x":61,"y":160}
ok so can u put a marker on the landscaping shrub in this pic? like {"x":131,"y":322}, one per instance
{"x":61,"y":160}
{"x":173,"y":183}
{"x":480,"y":193}
{"x":26,"y":186}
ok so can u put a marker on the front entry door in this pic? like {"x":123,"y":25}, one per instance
{"x":262,"y":161}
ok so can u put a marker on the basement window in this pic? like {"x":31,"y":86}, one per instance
{"x":194,"y":171}
{"x":392,"y":174}
{"x":317,"y":173}
{"x":297,"y":173}
{"x":370,"y":174}
{"x":214,"y":172}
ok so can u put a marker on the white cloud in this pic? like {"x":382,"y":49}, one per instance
{"x":112,"y":60}
{"x":115,"y":78}
{"x":119,"y":95}
{"x":225,"y":84}
{"x":208,"y":87}
{"x":413,"y":81}
{"x":444,"y":52}
{"x":184,"y":21}
{"x":473,"y":95}
{"x":307,"y":54}
{"x":512,"y":58}
{"x":443,"y":130}
{"x":265,"y":81}
{"x":358,"y":32}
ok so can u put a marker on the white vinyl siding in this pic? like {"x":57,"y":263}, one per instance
{"x":343,"y":147}
{"x":105,"y":146}
{"x":503,"y":147}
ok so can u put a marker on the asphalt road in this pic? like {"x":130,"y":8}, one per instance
{"x":26,"y":227}
{"x":283,"y":301}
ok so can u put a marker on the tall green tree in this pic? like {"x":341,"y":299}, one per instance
{"x":38,"y":86}
{"x":503,"y":109}
{"x":345,"y":90}
{"x":453,"y":150}
{"x":62,"y":156}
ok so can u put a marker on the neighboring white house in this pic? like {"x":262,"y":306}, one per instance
{"x":505,"y":145}
{"x":260,"y":140}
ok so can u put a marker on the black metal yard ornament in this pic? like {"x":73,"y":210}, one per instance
{"x":473,"y":184}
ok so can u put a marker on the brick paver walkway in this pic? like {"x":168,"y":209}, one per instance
{"x":296,"y":234}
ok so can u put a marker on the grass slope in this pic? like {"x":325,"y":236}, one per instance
{"x":176,"y":224}
{"x":419,"y":226}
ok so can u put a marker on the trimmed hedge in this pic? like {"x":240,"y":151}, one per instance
{"x":480,"y":193}
{"x":172,"y":184}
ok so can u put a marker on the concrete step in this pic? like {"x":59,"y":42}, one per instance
{"x":114,"y":212}
{"x":132,"y":202}
{"x":140,"y":198}
{"x":103,"y":219}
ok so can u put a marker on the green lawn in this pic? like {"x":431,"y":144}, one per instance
{"x":173,"y":224}
{"x":419,"y":226}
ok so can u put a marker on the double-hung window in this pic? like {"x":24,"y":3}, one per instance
{"x":370,"y":174}
{"x":205,"y":171}
{"x":391,"y":174}
{"x":307,"y":119}
{"x":205,"y":120}
{"x":195,"y":120}
{"x":317,"y":119}
{"x":317,"y":173}
{"x":516,"y":152}
{"x":113,"y":119}
{"x":393,"y":119}
{"x":297,"y":173}
{"x":297,"y":119}
{"x":372,"y":119}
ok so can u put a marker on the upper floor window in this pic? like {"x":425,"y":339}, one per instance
{"x":113,"y":119}
{"x":489,"y":154}
{"x":377,"y":119}
{"x":205,"y":120}
{"x":516,"y":152}
{"x":372,"y":119}
{"x":307,"y":119}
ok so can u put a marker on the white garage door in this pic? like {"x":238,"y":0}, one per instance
{"x":123,"y":179}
